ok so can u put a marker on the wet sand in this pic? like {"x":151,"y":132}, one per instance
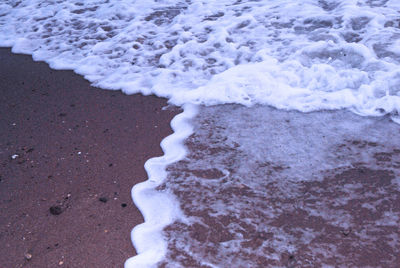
{"x":69,"y":156}
{"x":305,"y":190}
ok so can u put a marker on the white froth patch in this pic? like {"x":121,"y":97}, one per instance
{"x":306,"y":56}
{"x":159,"y":208}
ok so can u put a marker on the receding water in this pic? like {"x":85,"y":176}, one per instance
{"x":262,"y":187}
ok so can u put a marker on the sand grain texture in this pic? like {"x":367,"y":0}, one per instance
{"x":78,"y":149}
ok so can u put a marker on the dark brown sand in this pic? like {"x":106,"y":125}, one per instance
{"x":79,"y":150}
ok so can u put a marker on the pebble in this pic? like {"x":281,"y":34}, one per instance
{"x":28,"y":256}
{"x":103,"y":199}
{"x":55,"y":210}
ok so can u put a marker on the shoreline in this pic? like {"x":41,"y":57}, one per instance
{"x":78,"y":149}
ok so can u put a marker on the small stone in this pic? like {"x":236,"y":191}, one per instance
{"x":55,"y":210}
{"x":346,"y":232}
{"x":103,"y":199}
{"x":61,"y":263}
{"x":28,"y":256}
{"x":14,"y":156}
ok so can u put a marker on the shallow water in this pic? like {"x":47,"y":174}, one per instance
{"x":262,"y":187}
{"x":255,"y":185}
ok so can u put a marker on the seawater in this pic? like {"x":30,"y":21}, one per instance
{"x":262,"y":187}
{"x":273,"y":93}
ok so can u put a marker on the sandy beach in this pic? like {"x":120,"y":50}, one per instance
{"x":69,"y":155}
{"x":285,"y":151}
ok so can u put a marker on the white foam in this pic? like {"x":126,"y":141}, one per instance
{"x":159,"y":208}
{"x":310,"y":55}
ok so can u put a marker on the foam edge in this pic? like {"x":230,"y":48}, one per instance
{"x":158,"y":208}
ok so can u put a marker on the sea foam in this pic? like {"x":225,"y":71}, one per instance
{"x":305,"y":55}
{"x":159,"y":208}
